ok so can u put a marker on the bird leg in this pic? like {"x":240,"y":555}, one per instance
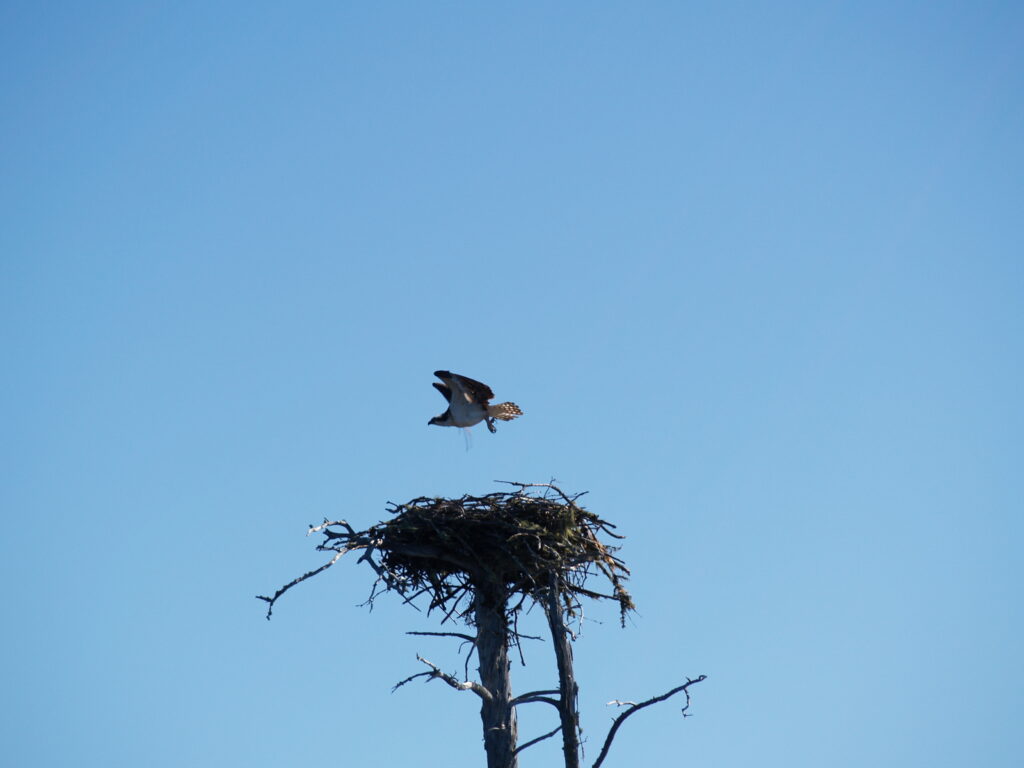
{"x":490,"y":426}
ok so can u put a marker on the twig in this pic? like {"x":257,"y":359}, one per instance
{"x":271,"y":600}
{"x":636,"y":707}
{"x":531,"y":742}
{"x":409,"y":679}
{"x":523,"y":486}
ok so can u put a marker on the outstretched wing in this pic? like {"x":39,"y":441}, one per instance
{"x":476,"y":391}
{"x":444,"y":389}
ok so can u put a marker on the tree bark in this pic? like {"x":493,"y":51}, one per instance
{"x":568,"y":689}
{"x":497,"y":713}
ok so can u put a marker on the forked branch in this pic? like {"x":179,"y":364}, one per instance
{"x":634,"y":707}
{"x":454,"y":682}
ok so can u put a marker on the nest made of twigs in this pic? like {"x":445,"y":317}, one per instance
{"x":517,"y":540}
{"x":540,"y":545}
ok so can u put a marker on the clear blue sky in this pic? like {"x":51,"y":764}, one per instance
{"x":753,"y":272}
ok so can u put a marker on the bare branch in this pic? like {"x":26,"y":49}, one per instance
{"x":409,"y":679}
{"x":454,"y":682}
{"x":331,"y":534}
{"x":636,"y":707}
{"x":531,"y":742}
{"x":409,"y":600}
{"x":532,"y":699}
{"x":271,"y":600}
{"x":467,"y":638}
{"x":531,"y":694}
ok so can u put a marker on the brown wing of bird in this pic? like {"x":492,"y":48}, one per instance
{"x":481,"y":392}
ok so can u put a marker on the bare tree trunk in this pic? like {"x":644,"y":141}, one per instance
{"x":497,"y":712}
{"x":568,"y":690}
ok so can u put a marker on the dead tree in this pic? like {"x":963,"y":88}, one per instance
{"x":481,"y":560}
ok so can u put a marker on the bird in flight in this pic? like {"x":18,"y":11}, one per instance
{"x":469,"y":403}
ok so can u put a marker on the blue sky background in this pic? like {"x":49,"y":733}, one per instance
{"x":752,"y":271}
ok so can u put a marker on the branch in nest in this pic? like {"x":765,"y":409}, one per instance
{"x":636,"y":707}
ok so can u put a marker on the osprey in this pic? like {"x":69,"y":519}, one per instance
{"x":468,"y":403}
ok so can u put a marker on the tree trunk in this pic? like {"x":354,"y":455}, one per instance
{"x":568,"y":690}
{"x":498,"y":714}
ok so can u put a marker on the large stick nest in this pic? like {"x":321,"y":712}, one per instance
{"x":501,"y":545}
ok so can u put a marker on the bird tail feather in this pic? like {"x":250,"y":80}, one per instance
{"x":504,"y":411}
